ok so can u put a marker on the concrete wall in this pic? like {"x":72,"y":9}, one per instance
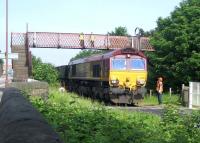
{"x":21,"y":123}
{"x":185,"y":96}
{"x":35,"y":88}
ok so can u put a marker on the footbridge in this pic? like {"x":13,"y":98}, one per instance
{"x":22,"y":42}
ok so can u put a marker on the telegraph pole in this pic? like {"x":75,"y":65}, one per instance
{"x":6,"y":53}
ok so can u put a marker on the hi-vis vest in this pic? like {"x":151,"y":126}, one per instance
{"x":159,"y":86}
{"x":92,"y":38}
{"x":81,"y":37}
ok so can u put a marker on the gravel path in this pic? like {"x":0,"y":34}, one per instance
{"x":150,"y":109}
{"x":158,"y":109}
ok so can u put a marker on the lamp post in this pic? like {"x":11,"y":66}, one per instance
{"x":6,"y":53}
{"x":138,"y":34}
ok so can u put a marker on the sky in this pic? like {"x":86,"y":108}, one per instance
{"x":75,"y":16}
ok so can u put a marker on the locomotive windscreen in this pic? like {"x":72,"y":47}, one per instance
{"x":137,"y":64}
{"x":119,"y":64}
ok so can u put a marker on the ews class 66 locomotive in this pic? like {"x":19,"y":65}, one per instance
{"x":118,"y":76}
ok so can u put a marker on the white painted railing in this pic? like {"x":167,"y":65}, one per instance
{"x":194,"y":94}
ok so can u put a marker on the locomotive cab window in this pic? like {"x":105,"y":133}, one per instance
{"x":119,"y":64}
{"x":96,"y":70}
{"x":74,"y":70}
{"x":137,"y":64}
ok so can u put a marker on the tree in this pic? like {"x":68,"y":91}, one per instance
{"x":44,"y":71}
{"x":146,"y":33}
{"x":176,"y":40}
{"x":119,"y":31}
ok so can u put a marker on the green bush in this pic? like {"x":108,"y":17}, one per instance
{"x":44,"y":71}
{"x":180,"y":127}
{"x":79,"y":120}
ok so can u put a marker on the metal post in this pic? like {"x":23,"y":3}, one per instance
{"x":59,"y":41}
{"x":170,"y":91}
{"x":190,"y":94}
{"x":34,"y":39}
{"x":11,"y":41}
{"x":183,"y":88}
{"x":107,"y":42}
{"x":138,"y":34}
{"x":150,"y":93}
{"x":28,"y":52}
{"x":182,"y":96}
{"x":198,"y":93}
{"x":132,"y":42}
{"x":139,"y":43}
{"x":6,"y":53}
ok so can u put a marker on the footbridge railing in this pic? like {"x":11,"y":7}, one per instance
{"x":74,"y":41}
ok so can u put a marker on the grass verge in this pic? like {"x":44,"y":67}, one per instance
{"x":167,"y":99}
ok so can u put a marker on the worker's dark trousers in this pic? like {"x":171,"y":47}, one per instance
{"x":159,"y":97}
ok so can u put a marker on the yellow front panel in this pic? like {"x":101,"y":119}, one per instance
{"x":128,"y":78}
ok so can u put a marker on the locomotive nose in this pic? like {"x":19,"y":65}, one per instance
{"x":127,"y":79}
{"x":127,"y":82}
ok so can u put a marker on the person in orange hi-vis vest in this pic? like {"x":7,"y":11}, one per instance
{"x":81,"y":38}
{"x":92,"y":39}
{"x":159,"y":89}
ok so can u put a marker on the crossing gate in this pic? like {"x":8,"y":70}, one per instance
{"x":194,"y":94}
{"x":22,"y":42}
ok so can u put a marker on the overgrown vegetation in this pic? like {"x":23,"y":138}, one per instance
{"x":44,"y":71}
{"x":79,"y":120}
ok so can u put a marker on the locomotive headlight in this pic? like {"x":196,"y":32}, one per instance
{"x":114,"y":82}
{"x":128,"y":55}
{"x":140,"y":81}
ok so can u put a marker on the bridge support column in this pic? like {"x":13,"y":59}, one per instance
{"x":21,"y":66}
